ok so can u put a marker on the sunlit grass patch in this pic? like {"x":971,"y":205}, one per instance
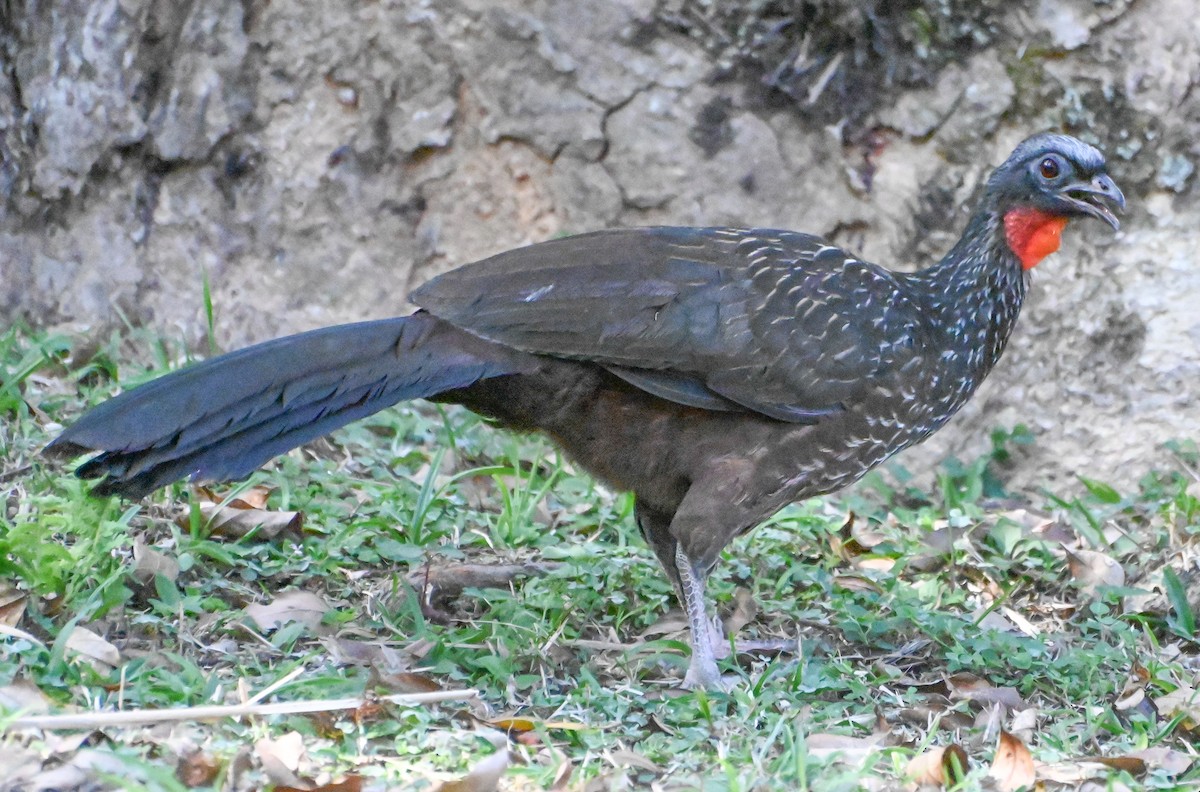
{"x":894,"y":618}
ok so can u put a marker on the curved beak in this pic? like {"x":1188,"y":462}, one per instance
{"x":1095,"y":197}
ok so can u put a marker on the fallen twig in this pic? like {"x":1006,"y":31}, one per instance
{"x":777,"y":645}
{"x":16,"y":632}
{"x":448,"y":580}
{"x":97,"y":720}
{"x":601,"y":646}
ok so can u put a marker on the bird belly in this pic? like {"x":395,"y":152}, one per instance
{"x":657,"y":449}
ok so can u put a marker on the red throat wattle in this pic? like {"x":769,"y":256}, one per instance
{"x":1033,"y":234}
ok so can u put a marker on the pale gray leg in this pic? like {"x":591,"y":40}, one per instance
{"x":702,"y":673}
{"x":656,"y":528}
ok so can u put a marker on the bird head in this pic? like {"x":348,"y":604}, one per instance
{"x":1048,"y":180}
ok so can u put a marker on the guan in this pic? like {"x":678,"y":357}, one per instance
{"x":718,"y":374}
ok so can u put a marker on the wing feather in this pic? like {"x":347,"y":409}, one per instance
{"x":776,"y":322}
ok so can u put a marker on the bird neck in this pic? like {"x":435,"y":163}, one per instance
{"x":974,"y":294}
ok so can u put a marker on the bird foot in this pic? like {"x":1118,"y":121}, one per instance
{"x":700,"y":677}
{"x":717,"y":639}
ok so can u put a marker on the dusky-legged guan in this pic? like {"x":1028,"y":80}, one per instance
{"x":718,"y":374}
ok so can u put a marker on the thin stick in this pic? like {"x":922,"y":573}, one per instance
{"x":19,"y":633}
{"x":278,"y":683}
{"x":97,"y":720}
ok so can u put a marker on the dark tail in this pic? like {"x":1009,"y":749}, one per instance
{"x":221,"y":419}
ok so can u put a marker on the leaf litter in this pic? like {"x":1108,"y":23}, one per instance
{"x":243,"y":515}
{"x":876,"y":558}
{"x":298,"y":605}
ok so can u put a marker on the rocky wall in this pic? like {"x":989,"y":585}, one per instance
{"x":317,"y":160}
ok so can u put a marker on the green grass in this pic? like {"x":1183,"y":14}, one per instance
{"x":419,"y":487}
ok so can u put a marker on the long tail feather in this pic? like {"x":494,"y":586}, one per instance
{"x":221,"y":419}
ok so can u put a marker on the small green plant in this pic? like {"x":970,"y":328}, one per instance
{"x":963,"y":485}
{"x":584,"y":638}
{"x":210,"y":317}
{"x":1182,"y":620}
{"x":22,"y":354}
{"x":522,"y":489}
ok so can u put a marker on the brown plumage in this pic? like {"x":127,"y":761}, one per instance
{"x":718,"y":374}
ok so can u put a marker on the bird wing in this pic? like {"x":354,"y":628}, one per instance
{"x":776,"y":322}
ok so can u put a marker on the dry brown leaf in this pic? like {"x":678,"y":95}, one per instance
{"x":875,"y":562}
{"x":663,"y":727}
{"x":480,"y":494}
{"x":627,"y":758}
{"x":925,"y":769}
{"x":252,"y":498}
{"x":234,"y":523}
{"x":281,"y":758}
{"x":1023,"y":624}
{"x":291,"y":606}
{"x":842,"y":746}
{"x":992,"y":590}
{"x":1054,"y":530}
{"x":562,"y":778}
{"x":1068,"y":773}
{"x":23,"y":696}
{"x":992,"y":620}
{"x":406,"y":682}
{"x":866,"y":536}
{"x":936,"y":709}
{"x":1131,"y":701}
{"x":149,"y":562}
{"x":351,"y":783}
{"x":1023,"y":724}
{"x":852,"y":582}
{"x":1092,"y":569}
{"x":1130,"y":764}
{"x":543,"y":516}
{"x":1031,"y":523}
{"x":1183,"y":701}
{"x":197,"y":769}
{"x":76,"y":773}
{"x":744,"y":611}
{"x":62,"y":745}
{"x":518,"y":723}
{"x":1012,"y":766}
{"x":1106,"y":785}
{"x":941,"y":766}
{"x":12,"y":604}
{"x":1005,"y":696}
{"x":940,"y":541}
{"x":672,"y":621}
{"x":12,"y":611}
{"x":969,"y":687}
{"x":420,"y":648}
{"x":1078,"y":771}
{"x":19,"y":764}
{"x":484,"y":776}
{"x":1171,"y":761}
{"x":93,"y":650}
{"x":349,"y":651}
{"x":842,"y":541}
{"x":1132,"y":697}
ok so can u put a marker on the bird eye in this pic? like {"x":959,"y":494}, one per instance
{"x":1049,"y":168}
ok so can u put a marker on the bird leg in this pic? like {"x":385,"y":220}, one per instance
{"x":655,"y":527}
{"x":702,"y":673}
